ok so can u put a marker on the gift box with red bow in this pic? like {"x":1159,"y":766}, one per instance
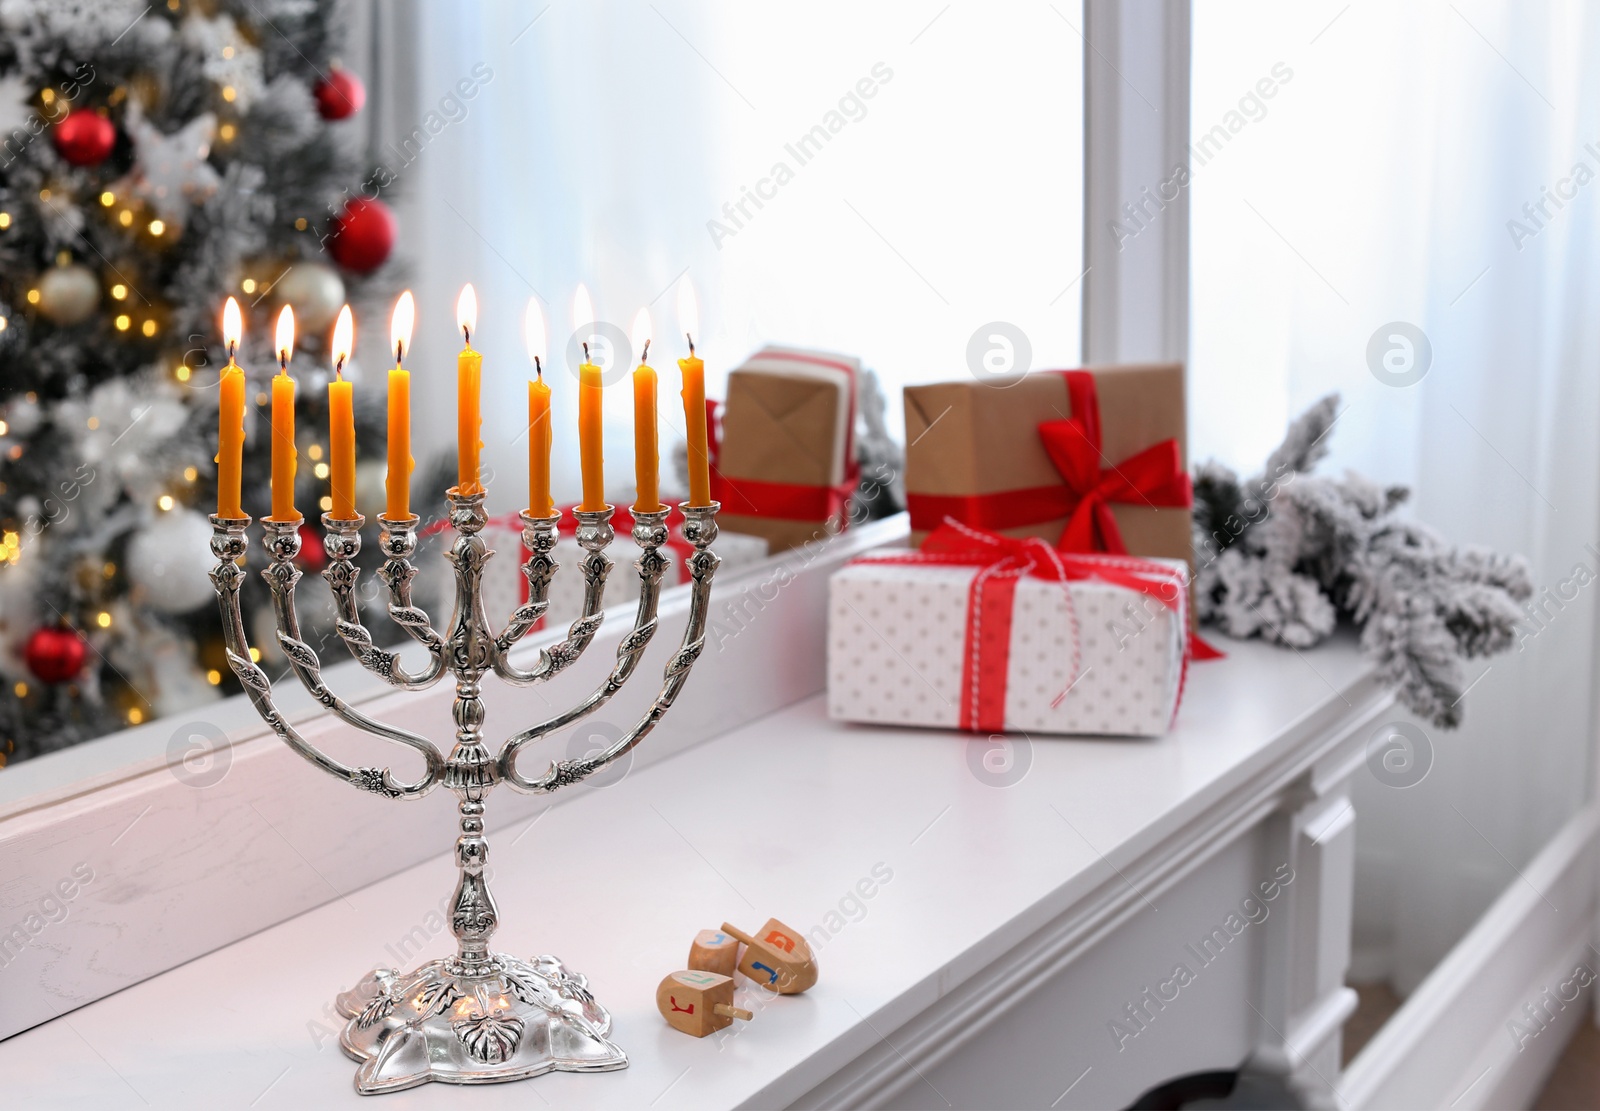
{"x":784,"y":464}
{"x":992,"y":634}
{"x":505,"y":587}
{"x":1091,"y":460}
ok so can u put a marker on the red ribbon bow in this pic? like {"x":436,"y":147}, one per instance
{"x":1154,"y":477}
{"x":1002,"y":562}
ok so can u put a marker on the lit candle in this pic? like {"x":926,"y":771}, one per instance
{"x":694,"y":400}
{"x":397,"y":484}
{"x":646,"y":452}
{"x":342,"y":422}
{"x":230,"y":423}
{"x":591,"y":391}
{"x":539,"y":502}
{"x":283,"y":452}
{"x":469,"y":382}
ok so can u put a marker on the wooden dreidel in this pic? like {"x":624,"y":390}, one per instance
{"x":779,"y":959}
{"x":714,"y":951}
{"x":698,"y":1002}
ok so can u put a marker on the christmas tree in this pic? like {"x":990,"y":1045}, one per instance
{"x":170,"y":154}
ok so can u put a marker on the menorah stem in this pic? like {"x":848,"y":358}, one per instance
{"x":473,"y":915}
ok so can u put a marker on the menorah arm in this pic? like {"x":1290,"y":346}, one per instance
{"x":594,"y":534}
{"x":228,"y":544}
{"x":342,"y":541}
{"x":700,"y":529}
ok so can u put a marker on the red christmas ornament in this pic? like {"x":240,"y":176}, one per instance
{"x":340,"y":95}
{"x":54,"y":654}
{"x":85,"y":137}
{"x":313,"y":557}
{"x":362,"y":236}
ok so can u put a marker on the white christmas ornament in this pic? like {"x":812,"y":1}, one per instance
{"x":170,"y":172}
{"x":69,"y":294}
{"x":315,"y":290}
{"x":168,"y":561}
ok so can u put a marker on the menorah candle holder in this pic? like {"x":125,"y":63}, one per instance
{"x":479,"y":1016}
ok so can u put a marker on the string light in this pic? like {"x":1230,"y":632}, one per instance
{"x":226,"y":132}
{"x":103,"y":619}
{"x":248,"y":285}
{"x":148,"y":327}
{"x":321,"y":470}
{"x":125,"y":217}
{"x":124,"y":322}
{"x":108,"y":198}
{"x":33,"y":296}
{"x":5,"y":220}
{"x":135,"y":716}
{"x":21,"y":690}
{"x":44,"y":194}
{"x":255,"y":655}
{"x":165,"y":502}
{"x":314,"y":451}
{"x":214,"y":677}
{"x":299,"y":224}
{"x":119,"y":291}
{"x":182,"y":374}
{"x":93,"y":423}
{"x":229,"y":93}
{"x":326,"y":503}
{"x":158,"y":227}
{"x":190,"y":474}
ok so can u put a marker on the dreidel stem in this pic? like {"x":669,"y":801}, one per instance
{"x":733,"y":1012}
{"x":735,"y":932}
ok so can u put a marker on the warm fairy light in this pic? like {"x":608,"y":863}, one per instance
{"x":103,"y":619}
{"x":214,"y":677}
{"x":119,"y":292}
{"x":320,"y":470}
{"x":190,"y":474}
{"x":467,"y":313}
{"x":255,"y":655}
{"x":344,"y":339}
{"x":123,"y":322}
{"x":405,"y":314}
{"x":5,"y":219}
{"x":165,"y":502}
{"x":135,"y":716}
{"x":125,"y":218}
{"x":108,"y":198}
{"x":226,"y":132}
{"x":148,"y":327}
{"x":232,"y":325}
{"x":285,"y":336}
{"x":158,"y":227}
{"x":641,"y":334}
{"x":248,"y":285}
{"x":582,"y":308}
{"x":533,"y":334}
{"x":688,"y":311}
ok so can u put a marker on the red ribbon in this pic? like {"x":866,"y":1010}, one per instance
{"x":1153,"y":477}
{"x":786,"y":501}
{"x":1002,"y":562}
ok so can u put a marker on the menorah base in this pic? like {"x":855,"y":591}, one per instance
{"x":507,"y":1019}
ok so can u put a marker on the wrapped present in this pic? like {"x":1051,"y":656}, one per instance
{"x":992,"y":634}
{"x":505,"y":587}
{"x":785,"y":465}
{"x":1092,"y":460}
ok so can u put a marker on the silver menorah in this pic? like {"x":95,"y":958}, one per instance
{"x":479,"y":1016}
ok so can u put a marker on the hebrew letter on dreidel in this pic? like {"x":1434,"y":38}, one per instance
{"x":698,"y":1003}
{"x":782,"y":962}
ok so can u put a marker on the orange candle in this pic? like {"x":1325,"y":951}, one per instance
{"x":342,"y":423}
{"x":397,"y":483}
{"x":539,"y":430}
{"x":283,"y":450}
{"x":694,"y":401}
{"x":591,"y":392}
{"x":646,"y":451}
{"x":469,"y":383}
{"x":230,"y":423}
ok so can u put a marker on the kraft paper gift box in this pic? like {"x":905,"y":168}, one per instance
{"x":786,"y":462}
{"x":1085,"y":657}
{"x":1098,"y":454}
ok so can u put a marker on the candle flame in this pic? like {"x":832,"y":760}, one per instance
{"x":467,"y":312}
{"x":285,"y":335}
{"x":405,"y":312}
{"x":533,"y":332}
{"x":232,"y":326}
{"x":582,"y":308}
{"x":641,"y":334}
{"x":344,"y":339}
{"x":688,"y":311}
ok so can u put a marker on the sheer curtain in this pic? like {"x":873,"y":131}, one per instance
{"x":933,"y":184}
{"x":1428,"y":164}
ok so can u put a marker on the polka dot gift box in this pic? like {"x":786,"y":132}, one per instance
{"x":988,"y":634}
